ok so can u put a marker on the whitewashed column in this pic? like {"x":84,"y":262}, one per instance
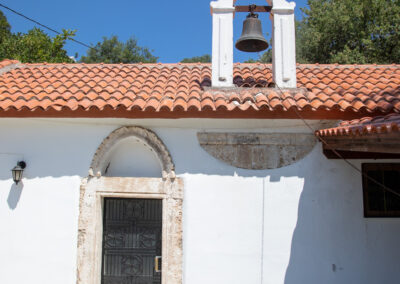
{"x":283,"y":43}
{"x":222,"y":43}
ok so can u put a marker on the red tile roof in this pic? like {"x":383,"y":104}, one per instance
{"x":183,"y":90}
{"x":7,"y":62}
{"x":364,"y":126}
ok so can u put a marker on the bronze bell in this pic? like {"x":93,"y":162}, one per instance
{"x":252,"y":39}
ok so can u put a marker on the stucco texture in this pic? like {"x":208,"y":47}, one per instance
{"x":302,"y":223}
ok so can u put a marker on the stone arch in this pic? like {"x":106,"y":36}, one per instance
{"x":148,"y":137}
{"x":93,"y":191}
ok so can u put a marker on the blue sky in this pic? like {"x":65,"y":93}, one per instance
{"x":172,"y":29}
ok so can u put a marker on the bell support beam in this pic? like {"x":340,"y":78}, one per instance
{"x":258,"y":9}
{"x":283,"y":43}
{"x":222,"y":43}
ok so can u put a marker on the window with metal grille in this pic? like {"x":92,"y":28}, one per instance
{"x":378,"y":201}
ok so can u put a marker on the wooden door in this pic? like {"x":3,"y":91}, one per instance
{"x":132,"y":241}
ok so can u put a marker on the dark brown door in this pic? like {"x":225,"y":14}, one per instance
{"x":132,"y":241}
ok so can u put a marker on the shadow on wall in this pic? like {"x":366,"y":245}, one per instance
{"x":132,"y":158}
{"x":50,"y":149}
{"x":66,"y":149}
{"x":14,"y":195}
{"x":332,"y":241}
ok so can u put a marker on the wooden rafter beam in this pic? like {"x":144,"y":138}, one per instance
{"x":258,"y":9}
{"x":358,"y":155}
{"x":387,"y":143}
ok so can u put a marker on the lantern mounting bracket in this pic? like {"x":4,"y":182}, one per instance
{"x":253,"y":8}
{"x":22,"y":164}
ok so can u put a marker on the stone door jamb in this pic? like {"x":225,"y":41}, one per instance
{"x":94,"y":189}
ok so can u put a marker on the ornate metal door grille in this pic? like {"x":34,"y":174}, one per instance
{"x":131,"y":241}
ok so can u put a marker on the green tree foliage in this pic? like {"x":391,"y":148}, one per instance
{"x":266,"y":57}
{"x":111,"y":50}
{"x":202,"y":59}
{"x":349,"y":31}
{"x":4,"y":27}
{"x":36,"y":46}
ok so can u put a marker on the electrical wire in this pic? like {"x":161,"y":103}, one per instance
{"x":279,"y":88}
{"x":336,"y":152}
{"x":44,"y":26}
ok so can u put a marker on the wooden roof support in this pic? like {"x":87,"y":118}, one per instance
{"x":258,"y":9}
{"x":349,"y":155}
{"x":385,"y":145}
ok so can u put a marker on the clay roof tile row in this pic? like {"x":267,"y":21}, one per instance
{"x":364,"y":126}
{"x":355,"y":89}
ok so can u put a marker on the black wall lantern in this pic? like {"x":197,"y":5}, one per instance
{"x":17,"y":171}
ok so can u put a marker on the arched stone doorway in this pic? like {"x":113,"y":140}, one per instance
{"x":98,"y":186}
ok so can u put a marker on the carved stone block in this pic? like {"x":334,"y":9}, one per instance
{"x":257,"y":151}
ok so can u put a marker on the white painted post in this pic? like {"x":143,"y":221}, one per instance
{"x":222,"y":43}
{"x":283,"y":43}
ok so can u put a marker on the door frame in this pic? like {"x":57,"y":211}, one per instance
{"x":90,"y":230}
{"x":96,"y":187}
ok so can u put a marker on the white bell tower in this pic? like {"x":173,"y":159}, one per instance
{"x":283,"y":43}
{"x":222,"y":43}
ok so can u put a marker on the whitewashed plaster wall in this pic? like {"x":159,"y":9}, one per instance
{"x":131,"y":156}
{"x":299,"y":224}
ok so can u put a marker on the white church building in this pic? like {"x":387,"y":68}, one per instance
{"x":201,"y":173}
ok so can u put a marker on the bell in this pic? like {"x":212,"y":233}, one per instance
{"x":252,"y":39}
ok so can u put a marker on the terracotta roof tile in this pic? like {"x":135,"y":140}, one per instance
{"x":7,"y":62}
{"x":364,"y":126}
{"x":169,"y":88}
